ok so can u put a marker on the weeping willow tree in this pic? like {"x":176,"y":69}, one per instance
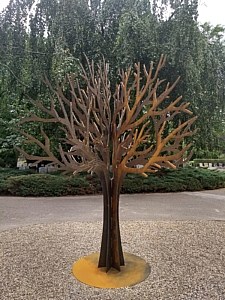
{"x":51,"y":37}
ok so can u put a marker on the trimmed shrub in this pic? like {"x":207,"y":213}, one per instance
{"x":183,"y":179}
{"x":6,"y":173}
{"x":47,"y":185}
{"x":24,"y":183}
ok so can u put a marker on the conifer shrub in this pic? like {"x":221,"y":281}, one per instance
{"x":26,"y":183}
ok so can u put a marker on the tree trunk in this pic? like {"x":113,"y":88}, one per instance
{"x":111,"y":254}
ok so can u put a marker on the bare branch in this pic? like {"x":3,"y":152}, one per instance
{"x":134,"y":115}
{"x":138,"y":132}
{"x":85,"y":120}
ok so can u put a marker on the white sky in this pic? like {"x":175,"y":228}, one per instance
{"x":212,"y":11}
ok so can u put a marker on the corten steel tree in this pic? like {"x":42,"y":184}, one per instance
{"x":113,"y":140}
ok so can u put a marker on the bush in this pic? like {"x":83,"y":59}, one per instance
{"x":6,"y":173}
{"x":8,"y":158}
{"x":205,"y":154}
{"x":24,"y":183}
{"x":183,"y":179}
{"x":47,"y":185}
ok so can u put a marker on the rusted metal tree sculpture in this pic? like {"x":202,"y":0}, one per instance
{"x":113,"y":140}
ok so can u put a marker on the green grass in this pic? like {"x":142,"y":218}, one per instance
{"x":26,"y":183}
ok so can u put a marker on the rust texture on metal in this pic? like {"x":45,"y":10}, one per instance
{"x":112,"y":135}
{"x":135,"y":271}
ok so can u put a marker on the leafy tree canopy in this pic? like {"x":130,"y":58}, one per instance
{"x":51,"y":37}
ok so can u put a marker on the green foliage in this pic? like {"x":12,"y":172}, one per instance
{"x":206,"y":154}
{"x":6,"y":173}
{"x":25,"y":183}
{"x":124,"y":31}
{"x":47,"y":185}
{"x":8,"y":158}
{"x":184,"y":179}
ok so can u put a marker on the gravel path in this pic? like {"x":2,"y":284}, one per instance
{"x":187,"y":260}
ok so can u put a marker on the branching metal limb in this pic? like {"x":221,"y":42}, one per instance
{"x":130,"y":115}
{"x":136,"y":136}
{"x":85,"y":120}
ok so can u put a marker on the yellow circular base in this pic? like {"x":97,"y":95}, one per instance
{"x":135,"y":270}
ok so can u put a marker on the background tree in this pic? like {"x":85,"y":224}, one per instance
{"x":51,"y":38}
{"x":136,"y":136}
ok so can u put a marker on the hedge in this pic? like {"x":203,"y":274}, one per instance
{"x":183,"y":179}
{"x":16,"y":183}
{"x":48,"y":185}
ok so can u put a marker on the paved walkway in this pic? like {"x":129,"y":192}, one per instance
{"x":204,"y":205}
